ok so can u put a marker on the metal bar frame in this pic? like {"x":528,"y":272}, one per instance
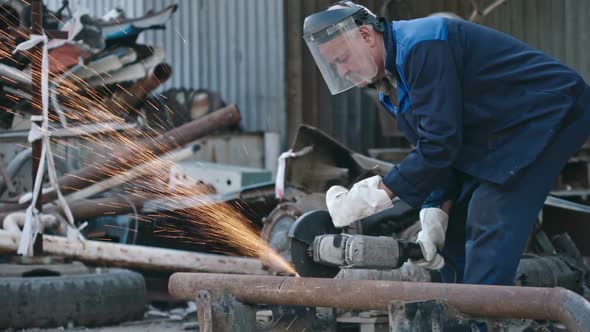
{"x":486,"y":301}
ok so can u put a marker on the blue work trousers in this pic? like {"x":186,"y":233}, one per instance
{"x":489,"y":224}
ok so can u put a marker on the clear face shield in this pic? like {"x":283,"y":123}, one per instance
{"x":341,"y":54}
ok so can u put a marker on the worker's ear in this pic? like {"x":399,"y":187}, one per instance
{"x":368,"y":35}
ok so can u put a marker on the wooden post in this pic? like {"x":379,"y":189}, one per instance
{"x":36,"y":61}
{"x":37,"y":102}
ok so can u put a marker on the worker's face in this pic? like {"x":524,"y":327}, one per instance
{"x":349,"y":58}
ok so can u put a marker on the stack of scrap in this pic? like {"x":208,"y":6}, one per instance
{"x":115,"y":138}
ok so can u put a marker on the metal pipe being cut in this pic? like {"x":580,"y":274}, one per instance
{"x":556,"y":304}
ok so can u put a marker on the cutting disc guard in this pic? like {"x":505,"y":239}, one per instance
{"x":302,"y":234}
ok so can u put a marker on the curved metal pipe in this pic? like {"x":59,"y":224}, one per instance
{"x":14,"y":166}
{"x":13,"y":222}
{"x":474,"y":300}
{"x":18,"y":161}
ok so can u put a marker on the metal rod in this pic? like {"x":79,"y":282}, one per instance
{"x":475,"y":300}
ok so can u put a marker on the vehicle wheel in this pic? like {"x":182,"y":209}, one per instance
{"x":104,"y":296}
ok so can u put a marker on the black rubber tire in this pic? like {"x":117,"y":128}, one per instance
{"x":108,"y":296}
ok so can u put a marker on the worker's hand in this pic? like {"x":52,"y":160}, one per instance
{"x":362,"y":200}
{"x":431,"y":238}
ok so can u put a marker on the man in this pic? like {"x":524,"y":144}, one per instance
{"x":492,"y":121}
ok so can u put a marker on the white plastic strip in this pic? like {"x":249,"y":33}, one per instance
{"x":280,"y":179}
{"x":33,"y":226}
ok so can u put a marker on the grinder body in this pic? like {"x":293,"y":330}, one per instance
{"x":361,"y":251}
{"x":318,"y":249}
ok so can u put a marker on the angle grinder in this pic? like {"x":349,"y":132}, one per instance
{"x":318,"y":249}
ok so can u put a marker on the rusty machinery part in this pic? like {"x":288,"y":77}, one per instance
{"x":220,"y":311}
{"x":551,"y":271}
{"x":558,"y":264}
{"x":474,"y":300}
{"x":438,"y":315}
{"x":277,"y":225}
{"x":431,"y":315}
{"x":333,"y":163}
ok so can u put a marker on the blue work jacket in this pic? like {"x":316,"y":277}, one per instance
{"x":470,"y":99}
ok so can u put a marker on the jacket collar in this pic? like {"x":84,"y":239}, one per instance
{"x":390,"y":54}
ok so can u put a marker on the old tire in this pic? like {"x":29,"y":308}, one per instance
{"x":107,"y":296}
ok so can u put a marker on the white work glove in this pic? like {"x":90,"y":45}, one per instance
{"x":362,"y":200}
{"x":431,"y":238}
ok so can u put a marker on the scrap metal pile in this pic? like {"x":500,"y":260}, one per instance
{"x":136,"y":191}
{"x":112,"y":145}
{"x":105,"y":122}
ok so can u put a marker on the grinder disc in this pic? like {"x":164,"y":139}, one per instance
{"x":302,"y":234}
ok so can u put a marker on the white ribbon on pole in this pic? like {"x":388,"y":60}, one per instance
{"x":33,"y":226}
{"x":280,"y":179}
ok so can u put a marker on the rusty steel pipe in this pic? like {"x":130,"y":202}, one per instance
{"x":127,"y":158}
{"x":127,"y":101}
{"x":475,"y":300}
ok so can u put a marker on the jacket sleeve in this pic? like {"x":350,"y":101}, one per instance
{"x":437,"y":105}
{"x":449,"y":190}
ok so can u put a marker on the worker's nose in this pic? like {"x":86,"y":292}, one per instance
{"x":342,"y":70}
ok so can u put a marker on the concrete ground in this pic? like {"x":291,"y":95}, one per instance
{"x":182,"y":318}
{"x":146,"y":325}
